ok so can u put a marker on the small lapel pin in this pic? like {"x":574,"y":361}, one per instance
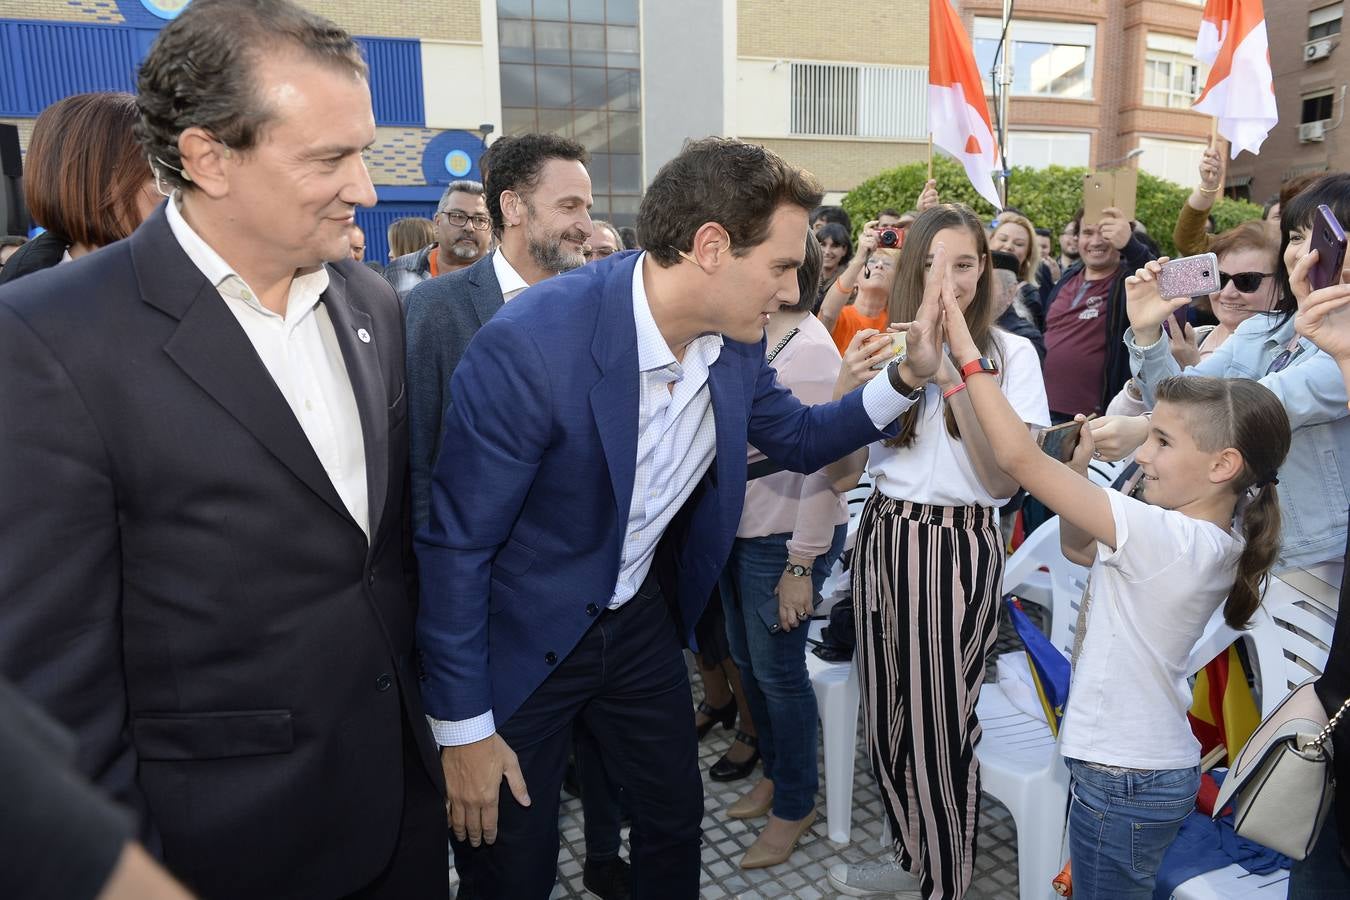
{"x":363,"y":335}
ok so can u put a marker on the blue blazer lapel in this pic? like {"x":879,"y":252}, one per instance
{"x":615,"y":397}
{"x":729,"y":415}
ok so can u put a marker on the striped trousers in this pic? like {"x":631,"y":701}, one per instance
{"x":926,"y":587}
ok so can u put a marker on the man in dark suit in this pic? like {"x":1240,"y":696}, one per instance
{"x":585,"y":499}
{"x":538,"y":196}
{"x":202,"y":513}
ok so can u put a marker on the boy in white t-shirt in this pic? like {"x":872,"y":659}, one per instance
{"x":1159,"y":570}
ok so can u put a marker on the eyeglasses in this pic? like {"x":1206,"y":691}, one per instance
{"x":459,"y":220}
{"x":1246,"y":282}
{"x":598,"y":252}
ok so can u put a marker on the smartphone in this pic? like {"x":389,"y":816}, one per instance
{"x":898,"y":343}
{"x":1328,"y":239}
{"x":1190,"y":276}
{"x":1060,"y":441}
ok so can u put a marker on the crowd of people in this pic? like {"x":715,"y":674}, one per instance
{"x":313,"y":565}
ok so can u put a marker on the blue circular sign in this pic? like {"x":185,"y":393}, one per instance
{"x":165,"y":9}
{"x":458,"y":163}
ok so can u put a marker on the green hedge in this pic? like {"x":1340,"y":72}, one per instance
{"x":1049,"y":197}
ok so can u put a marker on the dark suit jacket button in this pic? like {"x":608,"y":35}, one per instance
{"x":592,"y":609}
{"x":384,"y":682}
{"x":550,"y":657}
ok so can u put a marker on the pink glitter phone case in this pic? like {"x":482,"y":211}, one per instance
{"x":1190,"y":276}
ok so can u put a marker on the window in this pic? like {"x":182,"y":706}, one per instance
{"x":1316,"y":108}
{"x":1049,"y":59}
{"x":1175,"y":161}
{"x":1038,"y":149}
{"x":859,"y":101}
{"x":1172,"y":76}
{"x":572,"y":69}
{"x":1324,"y":22}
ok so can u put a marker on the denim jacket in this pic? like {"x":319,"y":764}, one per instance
{"x":1314,"y":477}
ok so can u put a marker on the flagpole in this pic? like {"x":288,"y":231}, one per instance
{"x":1213,"y":131}
{"x":930,"y":156}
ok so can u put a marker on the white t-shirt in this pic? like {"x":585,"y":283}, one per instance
{"x":935,"y":468}
{"x":1151,"y":599}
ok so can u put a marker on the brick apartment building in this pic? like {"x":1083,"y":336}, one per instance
{"x":1311,"y":73}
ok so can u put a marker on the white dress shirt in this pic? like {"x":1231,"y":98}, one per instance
{"x":301,"y":353}
{"x":677,"y":440}
{"x":508,"y":279}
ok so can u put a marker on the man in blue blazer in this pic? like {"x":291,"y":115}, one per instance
{"x":589,"y":485}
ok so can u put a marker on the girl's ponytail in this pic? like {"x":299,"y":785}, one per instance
{"x":1261,"y":530}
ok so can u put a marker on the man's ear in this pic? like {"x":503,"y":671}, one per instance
{"x":712,"y":246}
{"x":206,"y":161}
{"x":513,"y":208}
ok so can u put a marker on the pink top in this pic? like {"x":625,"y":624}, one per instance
{"x":805,"y":505}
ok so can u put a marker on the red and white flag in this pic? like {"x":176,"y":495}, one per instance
{"x":1240,"y":92}
{"x":958,"y":116}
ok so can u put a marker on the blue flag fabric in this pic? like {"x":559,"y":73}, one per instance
{"x":1050,"y":669}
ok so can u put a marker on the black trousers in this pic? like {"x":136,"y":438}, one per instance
{"x":420,"y":866}
{"x":627,"y":681}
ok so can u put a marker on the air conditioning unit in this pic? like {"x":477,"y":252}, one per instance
{"x":1315,"y":50}
{"x":1311,"y":132}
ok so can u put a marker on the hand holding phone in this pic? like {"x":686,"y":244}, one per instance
{"x":1328,"y":239}
{"x":1060,"y":441}
{"x":1189,"y":276}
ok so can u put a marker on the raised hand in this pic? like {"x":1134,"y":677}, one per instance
{"x":1116,"y":437}
{"x":929,"y":197}
{"x":1115,"y":227}
{"x":1321,"y":319}
{"x":867,"y":352}
{"x":1145,"y":306}
{"x":1181,"y":340}
{"x":959,"y":342}
{"x":1211,"y":169}
{"x":923,"y":353}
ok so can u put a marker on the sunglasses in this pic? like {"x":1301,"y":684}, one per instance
{"x":597,"y":252}
{"x":1246,"y":282}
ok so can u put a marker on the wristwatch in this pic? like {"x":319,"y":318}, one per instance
{"x":796,"y":570}
{"x":904,"y":390}
{"x":976,"y":366}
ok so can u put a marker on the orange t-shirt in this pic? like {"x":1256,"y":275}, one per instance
{"x":433,"y":262}
{"x":850,"y":322}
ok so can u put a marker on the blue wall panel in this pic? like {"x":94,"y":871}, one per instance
{"x":41,"y":62}
{"x":395,"y":80}
{"x":375,"y":223}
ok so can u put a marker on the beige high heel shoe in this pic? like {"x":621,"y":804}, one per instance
{"x":760,"y":856}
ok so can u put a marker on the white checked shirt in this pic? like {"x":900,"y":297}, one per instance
{"x":677,"y":440}
{"x":301,"y":353}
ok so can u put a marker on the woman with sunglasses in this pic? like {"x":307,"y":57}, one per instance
{"x":1264,"y":346}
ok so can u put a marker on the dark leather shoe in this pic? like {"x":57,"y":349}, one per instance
{"x":607,"y":879}
{"x":726,"y":770}
{"x":724,"y":716}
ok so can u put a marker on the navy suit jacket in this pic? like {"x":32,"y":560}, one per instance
{"x":533,"y":484}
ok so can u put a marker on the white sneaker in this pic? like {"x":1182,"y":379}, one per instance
{"x":872,"y":879}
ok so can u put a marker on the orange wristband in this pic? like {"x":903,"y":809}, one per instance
{"x":951,"y":392}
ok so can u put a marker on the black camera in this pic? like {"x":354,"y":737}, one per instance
{"x":890,"y":237}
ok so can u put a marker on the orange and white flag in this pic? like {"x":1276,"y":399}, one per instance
{"x":1240,"y":92}
{"x":1213,"y":29}
{"x":958,"y":116}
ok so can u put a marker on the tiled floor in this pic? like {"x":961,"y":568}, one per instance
{"x":803,"y":876}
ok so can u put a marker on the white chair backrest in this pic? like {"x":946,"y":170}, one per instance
{"x":1033,"y":553}
{"x":858,"y":495}
{"x":1290,"y":636}
{"x":1105,"y":473}
{"x":1067,"y":580}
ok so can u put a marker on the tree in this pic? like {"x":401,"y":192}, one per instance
{"x":1049,"y":197}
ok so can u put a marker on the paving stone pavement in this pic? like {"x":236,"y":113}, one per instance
{"x":803,"y":876}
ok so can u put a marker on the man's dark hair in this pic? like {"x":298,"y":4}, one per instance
{"x":516,"y":163}
{"x":463,"y":186}
{"x":722,"y":180}
{"x":1044,"y":232}
{"x":630,"y":237}
{"x":200,"y":72}
{"x":890,"y":211}
{"x":835,"y":214}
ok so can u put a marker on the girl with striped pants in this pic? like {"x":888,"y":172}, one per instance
{"x":928,"y":570}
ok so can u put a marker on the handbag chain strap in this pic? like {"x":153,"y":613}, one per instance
{"x":1326,"y":732}
{"x":781,"y":344}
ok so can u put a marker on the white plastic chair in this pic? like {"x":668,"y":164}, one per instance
{"x":1289,"y":638}
{"x":838,"y":701}
{"x":1020,"y":765}
{"x":1022,"y":573}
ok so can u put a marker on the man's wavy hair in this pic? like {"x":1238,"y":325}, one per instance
{"x":200,"y":72}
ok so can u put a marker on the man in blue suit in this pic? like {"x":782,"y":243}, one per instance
{"x":589,"y":485}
